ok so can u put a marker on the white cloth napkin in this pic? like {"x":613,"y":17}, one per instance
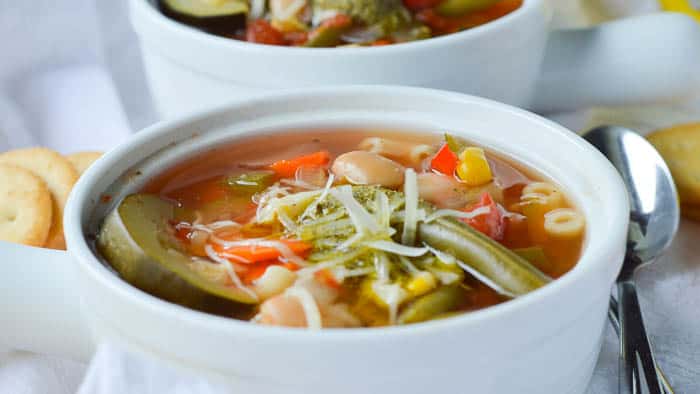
{"x":71,"y":78}
{"x":114,"y":370}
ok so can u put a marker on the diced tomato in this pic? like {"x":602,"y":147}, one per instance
{"x":260,"y":31}
{"x":415,"y":5}
{"x":287,"y":168}
{"x":445,"y":161}
{"x":181,"y":233}
{"x":491,"y":224}
{"x":326,"y":277}
{"x":256,"y":254}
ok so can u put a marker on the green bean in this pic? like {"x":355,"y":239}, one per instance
{"x":431,"y":305}
{"x":491,"y":259}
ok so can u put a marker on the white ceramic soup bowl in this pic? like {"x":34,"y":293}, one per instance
{"x":515,"y":59}
{"x":544,"y":342}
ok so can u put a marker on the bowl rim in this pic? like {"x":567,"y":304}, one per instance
{"x":163,"y":23}
{"x":595,"y":255}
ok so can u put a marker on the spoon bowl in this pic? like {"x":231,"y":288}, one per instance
{"x":654,"y":208}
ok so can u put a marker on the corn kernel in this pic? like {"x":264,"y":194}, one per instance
{"x":473,"y":168}
{"x":421,"y":283}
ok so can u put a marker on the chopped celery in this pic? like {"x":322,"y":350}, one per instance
{"x":456,"y":144}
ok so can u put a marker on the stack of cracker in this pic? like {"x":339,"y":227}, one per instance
{"x":34,"y":187}
{"x":680,"y":147}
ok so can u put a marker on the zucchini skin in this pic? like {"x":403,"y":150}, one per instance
{"x":224,"y":25}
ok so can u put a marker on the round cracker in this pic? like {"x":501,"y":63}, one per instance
{"x":58,"y":174}
{"x":680,"y":147}
{"x":25,"y":207}
{"x":82,"y":160}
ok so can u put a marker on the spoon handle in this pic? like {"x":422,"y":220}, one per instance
{"x":615,"y":322}
{"x":635,"y":349}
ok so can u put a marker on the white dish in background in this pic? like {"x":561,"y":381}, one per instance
{"x":515,"y":59}
{"x":544,"y":342}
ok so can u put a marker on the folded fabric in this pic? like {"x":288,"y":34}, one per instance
{"x":113,"y":370}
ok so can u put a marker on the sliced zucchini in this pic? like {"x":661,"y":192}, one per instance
{"x":135,"y":240}
{"x":223,"y":17}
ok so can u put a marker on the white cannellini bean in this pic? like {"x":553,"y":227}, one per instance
{"x":410,"y":153}
{"x":367,"y":168}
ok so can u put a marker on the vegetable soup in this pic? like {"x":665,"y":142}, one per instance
{"x":343,"y":228}
{"x":331,"y":23}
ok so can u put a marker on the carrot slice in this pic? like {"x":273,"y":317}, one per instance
{"x":287,"y":168}
{"x":255,"y":254}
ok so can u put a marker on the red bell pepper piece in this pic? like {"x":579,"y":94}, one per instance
{"x":445,"y":161}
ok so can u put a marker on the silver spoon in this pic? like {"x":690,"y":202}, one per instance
{"x":654,"y":217}
{"x":615,"y":322}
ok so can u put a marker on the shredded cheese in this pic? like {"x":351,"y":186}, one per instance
{"x":312,"y":207}
{"x":229,"y":269}
{"x":381,"y":267}
{"x":410,"y":223}
{"x":442,"y":256}
{"x":457,"y":214}
{"x":308,"y":304}
{"x":396,"y":248}
{"x":363,"y":221}
{"x":392,"y":295}
{"x":483,"y":279}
